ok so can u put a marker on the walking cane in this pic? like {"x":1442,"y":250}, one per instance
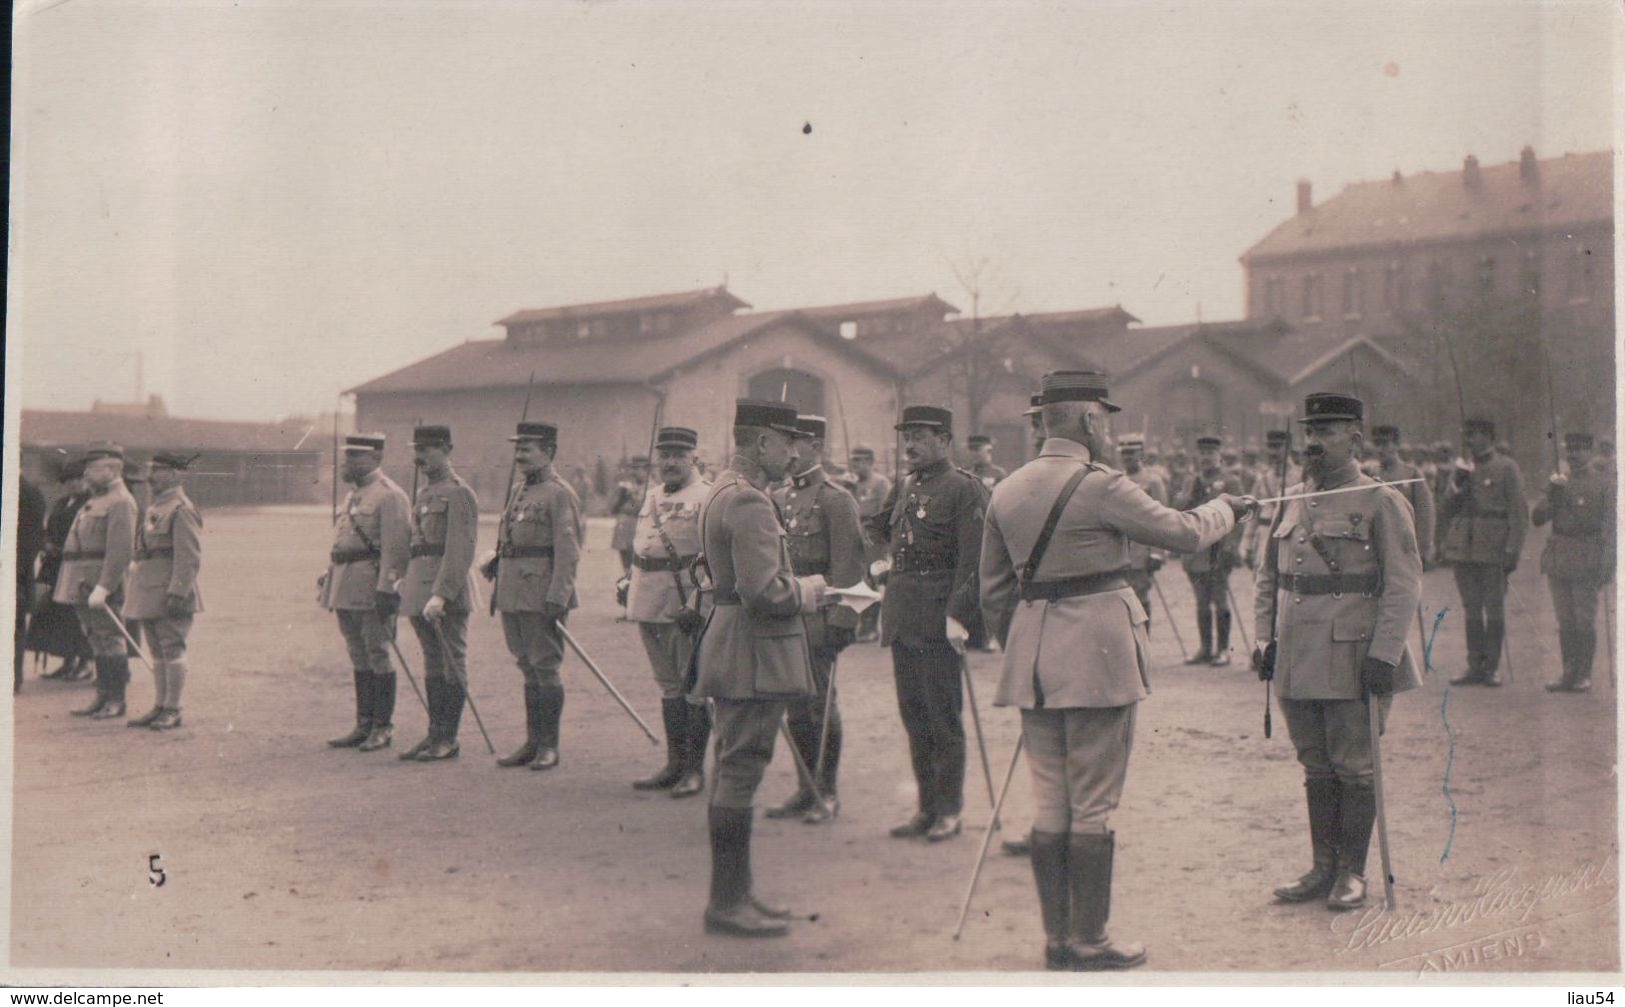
{"x":829,"y":708}
{"x":987,"y":840}
{"x":976,"y":719}
{"x":131,"y":640}
{"x":1373,"y":709}
{"x":1240,"y":623}
{"x":1169,"y":613}
{"x":801,"y":764}
{"x":592,"y":667}
{"x":463,"y":681}
{"x":1422,"y":638}
{"x":402,"y":658}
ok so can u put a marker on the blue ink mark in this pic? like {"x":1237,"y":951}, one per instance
{"x":1444,"y":716}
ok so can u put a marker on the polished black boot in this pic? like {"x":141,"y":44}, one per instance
{"x":431,"y":689}
{"x":1359,"y":814}
{"x":696,"y":734}
{"x":1049,"y":853}
{"x":445,"y":745}
{"x":804,"y":735}
{"x":674,"y":714}
{"x":533,"y":718}
{"x":732,"y":910}
{"x":102,"y":680}
{"x":383,"y":714}
{"x":118,"y":679}
{"x":1089,"y":873}
{"x":363,"y":713}
{"x":1325,"y":825}
{"x":550,"y":710}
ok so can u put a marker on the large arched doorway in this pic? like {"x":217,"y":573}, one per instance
{"x":784,"y":384}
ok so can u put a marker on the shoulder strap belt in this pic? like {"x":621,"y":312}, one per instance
{"x":1030,"y":570}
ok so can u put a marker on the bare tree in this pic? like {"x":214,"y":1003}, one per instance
{"x":979,"y":355}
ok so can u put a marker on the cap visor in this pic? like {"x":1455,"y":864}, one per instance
{"x":1111,"y":407}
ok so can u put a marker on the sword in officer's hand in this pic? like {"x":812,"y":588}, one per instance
{"x":445,"y":653}
{"x":593,"y":667}
{"x":130,"y":639}
{"x":1373,"y":709}
{"x":987,"y":840}
{"x":1340,"y":489}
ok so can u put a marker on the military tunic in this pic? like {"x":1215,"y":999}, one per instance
{"x":932,"y":524}
{"x":1144,"y":559}
{"x":168,"y":556}
{"x":371,"y":547}
{"x":1419,"y":495}
{"x":1075,"y":656}
{"x":1485,"y":518}
{"x":97,"y":553}
{"x":989,"y":474}
{"x":661,"y":586}
{"x":445,"y":525}
{"x":539,"y":549}
{"x":1209,"y":569}
{"x":1255,"y":536}
{"x":1577,"y":561}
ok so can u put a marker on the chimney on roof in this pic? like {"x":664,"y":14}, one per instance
{"x":1528,"y":168}
{"x":1306,"y":201}
{"x":1469,"y":172}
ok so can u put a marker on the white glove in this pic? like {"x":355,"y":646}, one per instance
{"x":1464,"y":465}
{"x":434,"y":608}
{"x":98,"y":597}
{"x":1559,"y":479}
{"x":880,"y":567}
{"x":957,"y":635}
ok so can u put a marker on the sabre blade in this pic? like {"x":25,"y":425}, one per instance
{"x":1343,"y":489}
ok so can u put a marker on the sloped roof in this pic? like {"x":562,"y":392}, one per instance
{"x":52,"y":428}
{"x":1282,"y":353}
{"x":652,"y":302}
{"x":1571,"y":190}
{"x":497,"y":363}
{"x":861,"y":309}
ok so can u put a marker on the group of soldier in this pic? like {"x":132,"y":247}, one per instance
{"x":747,"y":588}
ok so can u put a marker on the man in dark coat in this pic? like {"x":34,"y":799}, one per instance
{"x":1579,"y":556}
{"x":30,"y":539}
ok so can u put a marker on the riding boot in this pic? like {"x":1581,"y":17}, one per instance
{"x":732,"y":911}
{"x":1049,"y":855}
{"x":383,"y":714}
{"x":550,"y":710}
{"x":804,"y":735}
{"x":533,"y":718}
{"x":363,"y":712}
{"x":454,"y":697}
{"x":696,"y":733}
{"x":102,"y":679}
{"x":1223,"y":649}
{"x":160,"y":687}
{"x":1359,"y":814}
{"x":674,"y":714}
{"x":1204,"y":636}
{"x":434,"y":700}
{"x":118,"y":679}
{"x":1089,"y":874}
{"x":1325,"y":825}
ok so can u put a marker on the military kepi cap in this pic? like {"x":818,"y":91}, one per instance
{"x":1320,"y":407}
{"x":1076,"y":386}
{"x":1035,"y":405}
{"x":809,"y":425}
{"x":1478,"y":426}
{"x":681,"y":438}
{"x":173,"y":460}
{"x":1131,"y":442}
{"x":431,"y":437}
{"x":103,"y":449}
{"x":765,"y":413}
{"x":364,"y":442}
{"x":545,"y":434}
{"x":863,"y":451}
{"x":1386,"y":432}
{"x":1577,"y":441}
{"x":1277,"y":438}
{"x":935,"y":417}
{"x":1208,"y":441}
{"x":978,"y":440}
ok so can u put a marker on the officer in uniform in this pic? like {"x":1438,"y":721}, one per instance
{"x":1035,"y":417}
{"x":981,"y":449}
{"x":869,"y":488}
{"x":630,"y":492}
{"x":438,"y":588}
{"x":163,"y":595}
{"x":370,"y":552}
{"x":933,"y":527}
{"x":1579,"y":556}
{"x":1075,"y":649}
{"x":1209,"y":569}
{"x":1337,"y":590}
{"x":539,"y":546}
{"x":1143,"y":560}
{"x":1390,"y":469}
{"x":1255,"y":536}
{"x":664,"y":602}
{"x":825,"y":535}
{"x":1486,"y":520}
{"x":95,"y":559}
{"x":752,"y":655}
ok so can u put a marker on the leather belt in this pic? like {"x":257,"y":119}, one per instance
{"x":660,"y":564}
{"x":84,"y":555}
{"x":901,"y":565}
{"x":809,"y":569}
{"x":722,"y":597}
{"x":527,"y":552}
{"x":1331,"y":583}
{"x":159,"y":553}
{"x":343,"y":556}
{"x":422,"y":549}
{"x":1073,"y":587}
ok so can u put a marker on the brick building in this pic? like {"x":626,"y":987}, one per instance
{"x":1504,"y":266}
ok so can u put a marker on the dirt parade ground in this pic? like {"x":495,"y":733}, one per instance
{"x":280,"y":853}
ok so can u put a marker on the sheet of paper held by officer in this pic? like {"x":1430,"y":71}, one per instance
{"x":550,"y":493}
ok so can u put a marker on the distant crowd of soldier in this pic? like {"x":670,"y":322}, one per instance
{"x":746,"y":589}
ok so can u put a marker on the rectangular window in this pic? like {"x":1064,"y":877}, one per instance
{"x":1390,"y":288}
{"x":1311,"y":297}
{"x":1353,"y":296}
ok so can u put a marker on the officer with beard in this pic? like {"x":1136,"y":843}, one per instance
{"x":1337,"y":590}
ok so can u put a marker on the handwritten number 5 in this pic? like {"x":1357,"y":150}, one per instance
{"x":155,"y":873}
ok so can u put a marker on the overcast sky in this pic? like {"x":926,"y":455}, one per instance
{"x":273,"y":201}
